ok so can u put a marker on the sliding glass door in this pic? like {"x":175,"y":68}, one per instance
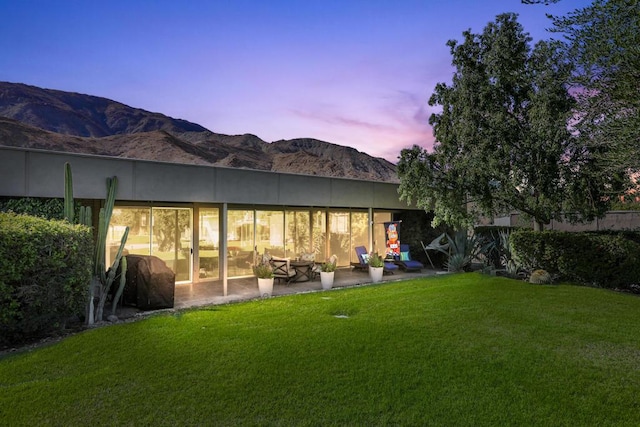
{"x":208,"y":246}
{"x":161,"y":232}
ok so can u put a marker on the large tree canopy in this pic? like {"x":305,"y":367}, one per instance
{"x":603,"y":40}
{"x":502,"y":138}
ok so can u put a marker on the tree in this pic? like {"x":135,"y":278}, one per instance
{"x":502,"y":138}
{"x":603,"y":41}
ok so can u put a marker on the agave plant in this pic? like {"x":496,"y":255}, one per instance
{"x":507,"y":260}
{"x":463,"y":248}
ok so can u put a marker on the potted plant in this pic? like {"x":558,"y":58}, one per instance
{"x":264,"y":273}
{"x":376,"y":267}
{"x":327,"y":272}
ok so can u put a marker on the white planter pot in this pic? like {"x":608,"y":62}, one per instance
{"x":326,"y":278}
{"x":376,"y":274}
{"x":265,"y":286}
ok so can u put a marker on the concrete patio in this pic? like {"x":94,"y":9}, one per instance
{"x":210,"y":293}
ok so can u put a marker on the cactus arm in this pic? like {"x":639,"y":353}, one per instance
{"x":85,"y":216}
{"x":110,"y":276}
{"x":123,"y":281}
{"x":112,"y":188}
{"x":68,"y":194}
{"x":99,"y":261}
{"x":90,"y":310}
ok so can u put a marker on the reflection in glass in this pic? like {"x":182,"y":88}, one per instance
{"x":297,"y":227}
{"x":240,"y":246}
{"x":359,"y":232}
{"x":139,"y":239}
{"x":270,"y":232}
{"x":161,"y":232}
{"x":319,"y":234}
{"x":171,"y":239}
{"x":379,"y":236}
{"x":339,"y":236}
{"x":209,"y":220}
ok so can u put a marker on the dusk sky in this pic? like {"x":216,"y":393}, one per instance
{"x":352,"y":72}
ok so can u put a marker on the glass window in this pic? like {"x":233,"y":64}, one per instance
{"x":209,"y":226}
{"x":319,"y":234}
{"x":139,"y":239}
{"x":359,"y":232}
{"x":270,"y":232}
{"x":339,"y":236}
{"x":379,"y":235}
{"x":161,"y":232}
{"x":297,"y":232}
{"x":171,"y":239}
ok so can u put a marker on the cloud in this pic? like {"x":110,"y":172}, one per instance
{"x":336,"y":119}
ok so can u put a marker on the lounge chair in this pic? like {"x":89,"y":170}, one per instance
{"x":363,"y":261}
{"x":390,"y":267}
{"x":405,"y":262}
{"x":435,"y":245}
{"x":363,"y":257}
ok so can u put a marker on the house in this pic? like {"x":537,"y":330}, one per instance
{"x":205,"y":221}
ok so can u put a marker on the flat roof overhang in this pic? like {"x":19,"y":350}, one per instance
{"x":40,"y":173}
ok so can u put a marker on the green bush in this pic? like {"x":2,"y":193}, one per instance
{"x":42,"y":207}
{"x":609,"y":260}
{"x":46,"y":268}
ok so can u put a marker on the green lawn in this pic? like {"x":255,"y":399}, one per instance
{"x":459,"y":350}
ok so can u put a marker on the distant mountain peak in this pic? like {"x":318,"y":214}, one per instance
{"x":72,"y":122}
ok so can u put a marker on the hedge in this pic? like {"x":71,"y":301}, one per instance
{"x":46,"y":269}
{"x":41,"y":207}
{"x":609,"y":260}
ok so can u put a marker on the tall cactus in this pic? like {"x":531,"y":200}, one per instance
{"x":69,"y":211}
{"x":102,"y":279}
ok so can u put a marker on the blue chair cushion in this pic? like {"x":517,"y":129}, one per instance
{"x":413,"y":265}
{"x":390,"y":266}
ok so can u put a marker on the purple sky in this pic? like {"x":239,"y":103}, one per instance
{"x":352,"y":72}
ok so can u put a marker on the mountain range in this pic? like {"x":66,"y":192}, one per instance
{"x":33,"y":117}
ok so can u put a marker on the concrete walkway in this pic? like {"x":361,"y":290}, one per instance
{"x":244,"y":289}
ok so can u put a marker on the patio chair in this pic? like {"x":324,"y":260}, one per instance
{"x":363,"y":264}
{"x":389,"y":267}
{"x":282,"y":270}
{"x":405,"y":262}
{"x":435,"y":245}
{"x":363,"y":258}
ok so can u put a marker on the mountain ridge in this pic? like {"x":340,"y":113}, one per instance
{"x":33,"y":117}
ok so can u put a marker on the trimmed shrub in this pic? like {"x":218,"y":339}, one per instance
{"x":46,"y":269}
{"x":609,"y":260}
{"x":45,"y":208}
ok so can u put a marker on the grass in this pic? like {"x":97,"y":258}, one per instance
{"x":451,"y":350}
